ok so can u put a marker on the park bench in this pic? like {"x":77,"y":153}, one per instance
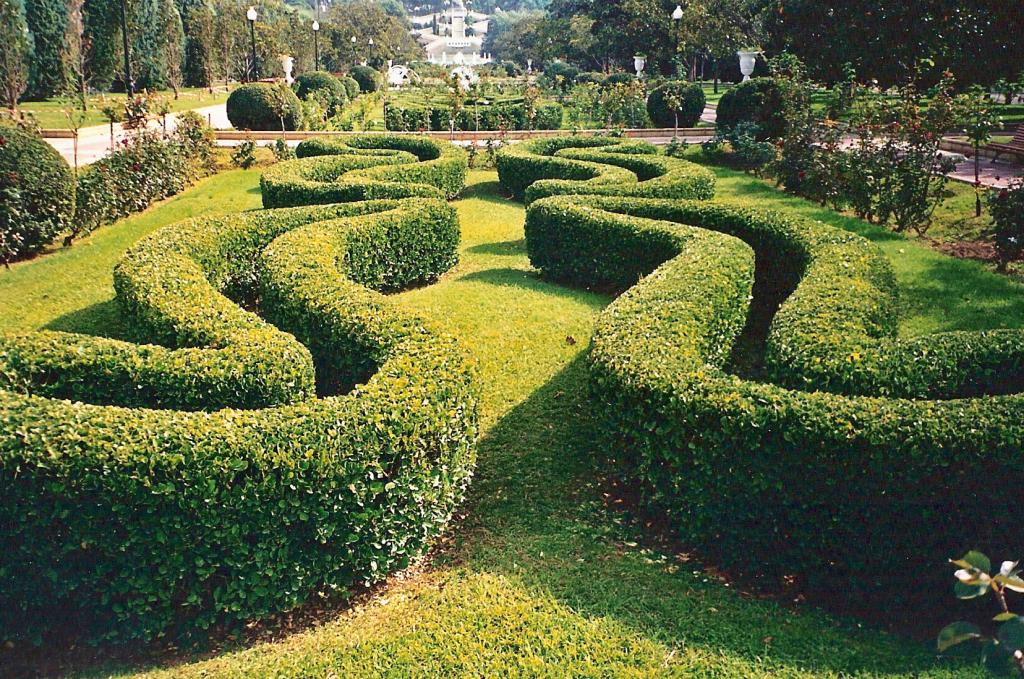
{"x":1015,"y":145}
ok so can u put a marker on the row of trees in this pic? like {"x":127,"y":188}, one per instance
{"x":884,"y":40}
{"x":60,"y":46}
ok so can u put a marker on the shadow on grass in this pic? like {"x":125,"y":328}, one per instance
{"x":509,"y":248}
{"x":487,"y":192}
{"x":537,"y":516}
{"x":102,"y":319}
{"x":532,"y":282}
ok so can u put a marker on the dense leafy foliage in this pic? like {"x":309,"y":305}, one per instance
{"x":759,"y":101}
{"x":369,"y":79}
{"x":37,"y":193}
{"x":325,"y":86}
{"x":234,"y":492}
{"x":840,"y":464}
{"x":502,"y":114}
{"x":676,"y":104}
{"x":598,"y":165}
{"x":263,"y":106}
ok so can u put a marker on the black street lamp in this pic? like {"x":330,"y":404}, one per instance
{"x":251,"y":15}
{"x":316,"y":44}
{"x":129,"y":86}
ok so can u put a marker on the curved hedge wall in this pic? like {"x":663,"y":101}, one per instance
{"x":235,"y":463}
{"x":598,"y":165}
{"x":254,"y":106}
{"x":364,"y":168}
{"x":859,"y":457}
{"x":37,"y":193}
{"x":691,"y":100}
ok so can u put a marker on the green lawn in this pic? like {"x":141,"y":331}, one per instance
{"x":50,"y":116}
{"x":541,"y":578}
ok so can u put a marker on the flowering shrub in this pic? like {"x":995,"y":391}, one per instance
{"x":244,"y":155}
{"x":1007,"y":208}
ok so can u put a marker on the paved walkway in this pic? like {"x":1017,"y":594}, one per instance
{"x":996,"y":175}
{"x":94,"y":142}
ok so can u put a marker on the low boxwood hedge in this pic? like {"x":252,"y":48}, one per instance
{"x":598,"y":165}
{"x":234,"y":492}
{"x":363,"y":168}
{"x":759,"y":101}
{"x":868,"y":490}
{"x":436,"y":116}
{"x":258,"y":106}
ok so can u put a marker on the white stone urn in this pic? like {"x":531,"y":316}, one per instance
{"x":639,"y":62}
{"x":287,"y":63}
{"x":748,"y":59}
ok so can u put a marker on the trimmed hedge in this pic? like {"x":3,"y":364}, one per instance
{"x":508,"y":114}
{"x":690,"y":95}
{"x":368,"y":78}
{"x":254,"y":107}
{"x":759,"y":101}
{"x":867,"y":490}
{"x":363,"y":168}
{"x":598,"y":165}
{"x":140,"y":522}
{"x":37,"y":193}
{"x":326,"y":85}
{"x":351,"y":86}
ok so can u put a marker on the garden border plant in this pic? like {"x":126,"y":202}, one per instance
{"x":234,"y":492}
{"x":858,"y":458}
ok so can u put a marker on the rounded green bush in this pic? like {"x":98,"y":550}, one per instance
{"x":691,"y":104}
{"x":235,"y":463}
{"x":369,"y":78}
{"x":326,"y":86}
{"x":37,"y":193}
{"x":759,"y":101}
{"x":620,"y":78}
{"x":351,"y":86}
{"x":261,"y":106}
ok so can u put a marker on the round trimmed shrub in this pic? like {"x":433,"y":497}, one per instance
{"x":620,"y":78}
{"x":326,"y":85}
{"x":368,"y":78}
{"x":593,"y":77}
{"x":568,"y":72}
{"x":691,"y":98}
{"x":351,"y":86}
{"x":759,"y":101}
{"x":37,"y":193}
{"x":255,"y":106}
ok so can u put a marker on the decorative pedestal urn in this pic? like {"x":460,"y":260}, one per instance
{"x":639,"y":62}
{"x":287,"y":63}
{"x":748,"y":58}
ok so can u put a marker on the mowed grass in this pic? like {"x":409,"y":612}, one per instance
{"x":49,"y":114}
{"x":541,"y":578}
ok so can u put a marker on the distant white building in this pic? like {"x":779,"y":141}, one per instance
{"x":445,"y":38}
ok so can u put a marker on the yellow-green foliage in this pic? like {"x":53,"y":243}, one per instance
{"x":228,"y":490}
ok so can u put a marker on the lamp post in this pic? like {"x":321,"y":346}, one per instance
{"x":252,"y":15}
{"x":677,"y":28}
{"x":316,"y":45}
{"x":129,"y":86}
{"x":369,"y":50}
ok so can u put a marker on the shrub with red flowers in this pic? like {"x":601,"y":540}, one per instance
{"x":148,"y":167}
{"x":1007,"y":208}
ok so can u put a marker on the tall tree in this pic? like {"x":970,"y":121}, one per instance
{"x":197,"y":24}
{"x":77,"y":57}
{"x":48,"y":72}
{"x":147,"y":37}
{"x":103,"y":28}
{"x":173,"y":44}
{"x":15,"y":49}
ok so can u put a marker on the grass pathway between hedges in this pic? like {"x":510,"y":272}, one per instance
{"x":541,"y":578}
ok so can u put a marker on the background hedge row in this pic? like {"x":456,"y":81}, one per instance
{"x":869,"y":491}
{"x":235,"y":493}
{"x":509,"y":115}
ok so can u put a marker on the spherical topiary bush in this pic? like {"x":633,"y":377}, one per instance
{"x":368,"y":78}
{"x":37,"y":193}
{"x":351,"y":86}
{"x":758,"y":100}
{"x":326,"y":86}
{"x":263,"y":106}
{"x":676,"y":104}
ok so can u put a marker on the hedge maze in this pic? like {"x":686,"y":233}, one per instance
{"x":849,"y":454}
{"x":279,"y":429}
